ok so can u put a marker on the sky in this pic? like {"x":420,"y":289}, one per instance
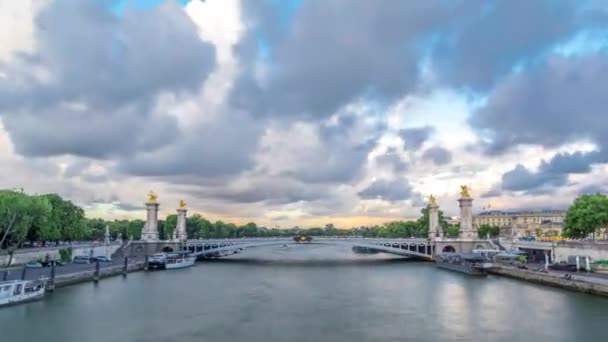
{"x":302,"y":113}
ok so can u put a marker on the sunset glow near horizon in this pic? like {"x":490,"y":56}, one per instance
{"x":302,"y":113}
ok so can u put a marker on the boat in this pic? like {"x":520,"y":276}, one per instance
{"x":599,"y":266}
{"x":157,"y":260}
{"x":20,"y":291}
{"x":179,"y":260}
{"x":563,"y":266}
{"x":469,"y":263}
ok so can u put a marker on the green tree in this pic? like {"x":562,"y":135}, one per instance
{"x":424,"y":219}
{"x":134,"y":229}
{"x":18,"y":214}
{"x":248,"y":230}
{"x":587,"y":215}
{"x":451,"y":231}
{"x":170,"y":224}
{"x":330,"y":230}
{"x":486,"y":229}
{"x":66,"y":218}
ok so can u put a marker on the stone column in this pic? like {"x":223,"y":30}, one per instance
{"x":467,"y":231}
{"x":434,"y":228}
{"x":106,"y":239}
{"x":180,"y":228}
{"x":150,"y":229}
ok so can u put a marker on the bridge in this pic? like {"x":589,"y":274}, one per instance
{"x":419,"y":249}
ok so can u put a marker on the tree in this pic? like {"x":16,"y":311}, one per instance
{"x":424,"y":220}
{"x":587,"y":215}
{"x":486,"y":229}
{"x":66,"y":218}
{"x":248,"y":230}
{"x":18,"y":214}
{"x":451,"y":231}
{"x":170,"y":224}
{"x":134,"y":229}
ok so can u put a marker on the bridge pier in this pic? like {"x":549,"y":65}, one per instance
{"x":460,"y":245}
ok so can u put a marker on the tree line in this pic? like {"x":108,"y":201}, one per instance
{"x":26,"y":218}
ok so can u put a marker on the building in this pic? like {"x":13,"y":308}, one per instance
{"x":523,"y":223}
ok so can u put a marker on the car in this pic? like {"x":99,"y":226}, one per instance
{"x":33,"y":264}
{"x":104,"y":259}
{"x":82,"y":259}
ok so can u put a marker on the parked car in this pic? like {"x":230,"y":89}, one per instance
{"x":33,"y":264}
{"x":82,"y":259}
{"x":104,"y":259}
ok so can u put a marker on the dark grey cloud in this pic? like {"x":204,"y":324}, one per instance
{"x":495,"y":191}
{"x":560,"y":101}
{"x":341,"y":153}
{"x":128,"y":206}
{"x":552,"y":173}
{"x":324,"y":59}
{"x":522,"y":179}
{"x":224,"y":145}
{"x":104,"y":73}
{"x":393,"y":162}
{"x":415,"y":137}
{"x":397,"y":190}
{"x":438,"y":155}
{"x":593,"y":189}
{"x":270,"y":190}
{"x":484,"y":40}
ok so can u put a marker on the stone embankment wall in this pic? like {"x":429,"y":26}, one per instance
{"x":553,"y":280}
{"x":80,"y":277}
{"x":23,"y":256}
{"x":596,"y":250}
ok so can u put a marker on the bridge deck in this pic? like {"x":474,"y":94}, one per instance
{"x":413,"y":248}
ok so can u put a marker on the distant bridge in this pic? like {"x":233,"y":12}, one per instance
{"x":420,"y":249}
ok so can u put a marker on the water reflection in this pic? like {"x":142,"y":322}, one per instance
{"x":307,"y":293}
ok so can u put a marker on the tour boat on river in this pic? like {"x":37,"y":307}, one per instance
{"x":469,"y":263}
{"x":20,"y":291}
{"x":179,"y":260}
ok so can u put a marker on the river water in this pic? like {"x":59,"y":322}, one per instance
{"x":307,"y":293}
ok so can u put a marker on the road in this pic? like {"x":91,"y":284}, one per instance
{"x":36,"y":273}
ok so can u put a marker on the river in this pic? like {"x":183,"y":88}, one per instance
{"x":307,"y":293}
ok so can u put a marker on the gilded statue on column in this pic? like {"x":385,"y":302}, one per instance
{"x":464,"y":191}
{"x":182,"y":204}
{"x":432,"y":200}
{"x":152,"y":197}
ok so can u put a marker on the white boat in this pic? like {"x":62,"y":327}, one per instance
{"x":158,"y":260}
{"x":179,"y":260}
{"x":20,"y":291}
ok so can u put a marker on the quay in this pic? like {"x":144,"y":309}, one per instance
{"x":70,"y":274}
{"x":578,"y":282}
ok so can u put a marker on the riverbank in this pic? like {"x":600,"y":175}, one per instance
{"x":579,"y":283}
{"x":89,"y":275}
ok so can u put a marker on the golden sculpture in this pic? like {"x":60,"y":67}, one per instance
{"x":182,"y":204}
{"x":432,"y":200}
{"x":464,"y":191}
{"x":152,"y":197}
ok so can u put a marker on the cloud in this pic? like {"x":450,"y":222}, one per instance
{"x":438,"y":155}
{"x":90,"y":86}
{"x":218,"y":147}
{"x":557,"y":102}
{"x":397,"y":190}
{"x":552,"y":173}
{"x":321,"y":59}
{"x":271,"y":190}
{"x":480,"y":45}
{"x":495,"y":191}
{"x":393,"y":162}
{"x":415,"y":137}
